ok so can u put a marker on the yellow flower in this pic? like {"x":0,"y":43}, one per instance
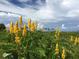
{"x":63,"y":54}
{"x":71,"y":38}
{"x":29,"y":23}
{"x":57,"y":33}
{"x":32,"y":27}
{"x":11,"y":27}
{"x":16,"y":23}
{"x":24,"y":30}
{"x":20,"y":20}
{"x":35,"y":25}
{"x":76,"y":41}
{"x":19,"y":29}
{"x":56,"y":49}
{"x":16,"y":29}
{"x":17,"y":40}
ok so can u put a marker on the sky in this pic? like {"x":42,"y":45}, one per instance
{"x":64,"y":13}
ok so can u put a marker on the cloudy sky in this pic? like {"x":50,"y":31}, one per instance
{"x":57,"y":12}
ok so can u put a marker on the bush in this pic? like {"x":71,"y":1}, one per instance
{"x":2,"y":27}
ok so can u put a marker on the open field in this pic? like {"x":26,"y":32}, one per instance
{"x":40,"y":45}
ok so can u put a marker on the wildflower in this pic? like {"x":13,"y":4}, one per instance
{"x":56,"y":49}
{"x":16,"y":29}
{"x":63,"y":54}
{"x":19,"y":29}
{"x":71,"y":38}
{"x":17,"y":39}
{"x":11,"y":27}
{"x":24,"y":30}
{"x":29,"y":23}
{"x":76,"y":41}
{"x":20,"y":18}
{"x":35,"y":25}
{"x":57,"y":33}
{"x":32,"y":27}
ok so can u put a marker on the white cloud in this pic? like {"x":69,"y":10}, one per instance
{"x":71,"y":6}
{"x":3,"y":14}
{"x":63,"y":27}
{"x":14,"y":15}
{"x":70,"y":3}
{"x":66,"y":3}
{"x":73,"y":13}
{"x":77,"y":25}
{"x":7,"y":6}
{"x":7,"y":25}
{"x":46,"y":13}
{"x":8,"y":14}
{"x":40,"y":26}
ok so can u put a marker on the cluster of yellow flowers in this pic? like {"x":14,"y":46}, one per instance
{"x":32,"y":25}
{"x":57,"y":51}
{"x":21,"y":22}
{"x":57,"y":36}
{"x":57,"y":33}
{"x":63,"y":54}
{"x":71,"y":38}
{"x":74,"y":39}
{"x":24,"y":30}
{"x":17,"y":39}
{"x":11,"y":27}
{"x":15,"y":28}
{"x":29,"y":23}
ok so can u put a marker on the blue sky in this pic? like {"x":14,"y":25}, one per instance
{"x":58,"y":12}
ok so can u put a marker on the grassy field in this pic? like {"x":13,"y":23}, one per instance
{"x":40,"y":45}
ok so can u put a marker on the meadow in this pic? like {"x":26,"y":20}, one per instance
{"x":32,"y":44}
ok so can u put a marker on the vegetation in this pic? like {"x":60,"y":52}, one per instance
{"x":21,"y":43}
{"x":2,"y":27}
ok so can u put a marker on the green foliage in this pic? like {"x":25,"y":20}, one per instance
{"x":39,"y":45}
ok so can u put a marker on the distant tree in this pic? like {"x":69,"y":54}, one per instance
{"x":2,"y":27}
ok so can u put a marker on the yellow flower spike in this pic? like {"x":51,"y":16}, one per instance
{"x":19,"y":29}
{"x":56,"y":49}
{"x":24,"y":30}
{"x":29,"y":23}
{"x":57,"y":33}
{"x":16,"y":23}
{"x":76,"y":41}
{"x":17,"y":40}
{"x":11,"y":23}
{"x":20,"y":21}
{"x":32,"y":27}
{"x":55,"y":36}
{"x":35,"y":25}
{"x":11,"y":27}
{"x":20,"y":18}
{"x":71,"y":38}
{"x":63,"y":54}
{"x":16,"y":29}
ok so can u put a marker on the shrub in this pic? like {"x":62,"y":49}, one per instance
{"x":2,"y":27}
